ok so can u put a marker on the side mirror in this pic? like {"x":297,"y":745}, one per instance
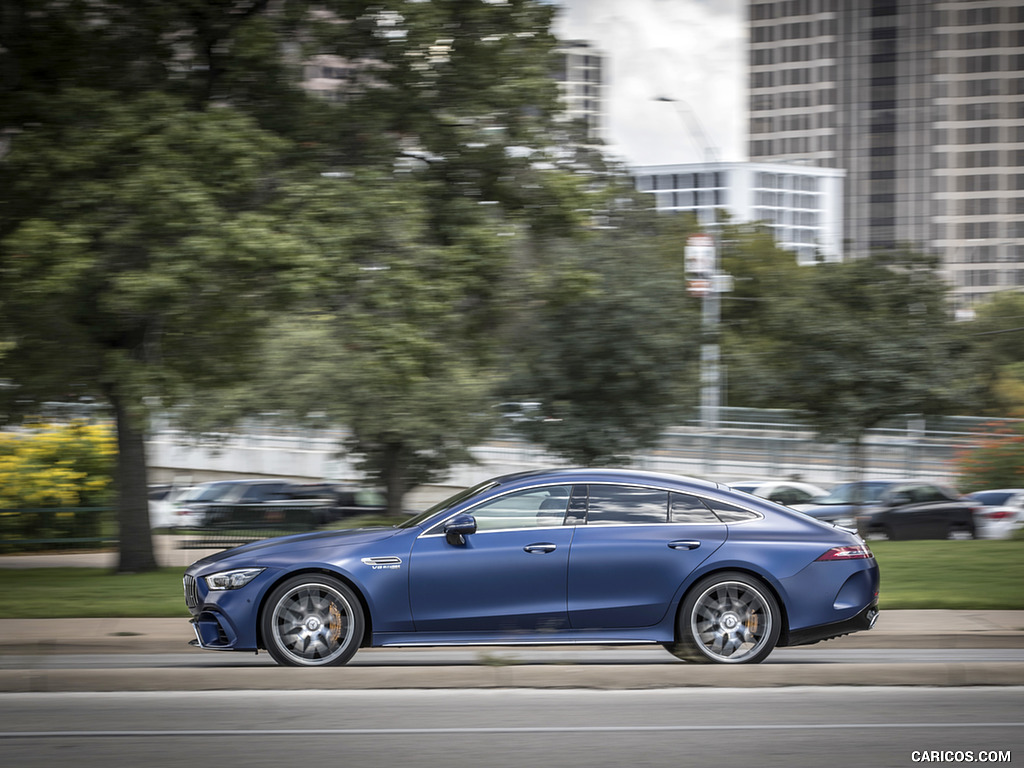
{"x":458,"y":528}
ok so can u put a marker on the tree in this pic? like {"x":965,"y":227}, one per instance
{"x":144,"y":270}
{"x":167,"y":188}
{"x":996,"y":336}
{"x":763,"y":274}
{"x":860,"y":342}
{"x":609,"y":346}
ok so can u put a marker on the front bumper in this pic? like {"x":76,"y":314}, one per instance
{"x":225,"y":620}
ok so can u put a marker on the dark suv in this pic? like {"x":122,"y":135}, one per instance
{"x":898,"y":509}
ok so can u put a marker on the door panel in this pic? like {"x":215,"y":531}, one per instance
{"x":498,"y":581}
{"x":626,"y":575}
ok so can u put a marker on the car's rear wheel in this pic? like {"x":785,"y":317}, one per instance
{"x":727,"y":618}
{"x":312,"y":620}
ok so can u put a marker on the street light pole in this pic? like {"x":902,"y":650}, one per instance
{"x":701,"y":261}
{"x":713,"y":283}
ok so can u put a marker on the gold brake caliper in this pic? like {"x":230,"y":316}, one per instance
{"x":335,"y":623}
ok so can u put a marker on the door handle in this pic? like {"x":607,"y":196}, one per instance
{"x":682,"y":544}
{"x":539,"y":549}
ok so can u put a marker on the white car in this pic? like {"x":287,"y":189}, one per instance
{"x":161,"y":505}
{"x":1001,"y":513}
{"x":792,"y":493}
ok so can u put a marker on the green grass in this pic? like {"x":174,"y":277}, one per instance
{"x":915,"y":574}
{"x":67,"y":593}
{"x":951,"y":574}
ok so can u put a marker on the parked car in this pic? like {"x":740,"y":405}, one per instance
{"x":190,"y":509}
{"x":788,"y":492}
{"x":161,"y":505}
{"x":841,"y":504}
{"x":899,"y":509}
{"x":559,"y":556}
{"x":340,"y":500}
{"x":1001,"y":513}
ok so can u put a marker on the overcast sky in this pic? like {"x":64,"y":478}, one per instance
{"x":693,"y":51}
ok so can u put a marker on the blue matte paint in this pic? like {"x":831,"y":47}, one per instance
{"x":552,"y":583}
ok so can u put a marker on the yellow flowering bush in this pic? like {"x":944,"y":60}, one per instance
{"x":57,"y":467}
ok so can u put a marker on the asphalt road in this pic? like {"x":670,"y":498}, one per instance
{"x":793,"y":727}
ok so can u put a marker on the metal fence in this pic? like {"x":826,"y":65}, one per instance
{"x":28,"y":530}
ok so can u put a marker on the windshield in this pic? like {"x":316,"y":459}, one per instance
{"x":451,"y":501}
{"x":854,"y":493}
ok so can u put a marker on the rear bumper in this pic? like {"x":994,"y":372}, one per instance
{"x":864,"y":620}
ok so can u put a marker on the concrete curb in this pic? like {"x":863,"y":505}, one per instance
{"x":609,"y":677}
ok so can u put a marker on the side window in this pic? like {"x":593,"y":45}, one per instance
{"x":787,"y":494}
{"x":927,"y":493}
{"x":617,"y":504}
{"x":263,"y":492}
{"x":690,"y":509}
{"x":727,"y":513}
{"x":535,"y":508}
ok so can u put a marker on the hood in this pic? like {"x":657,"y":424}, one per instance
{"x":268,"y":549}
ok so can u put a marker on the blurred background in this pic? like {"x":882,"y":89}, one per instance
{"x":394,"y":246}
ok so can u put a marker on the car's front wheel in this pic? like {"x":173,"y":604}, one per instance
{"x":312,"y":620}
{"x":727,"y":618}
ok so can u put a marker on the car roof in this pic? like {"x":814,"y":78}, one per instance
{"x":597,"y":475}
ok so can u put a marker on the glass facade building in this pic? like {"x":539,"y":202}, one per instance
{"x":922,"y":102}
{"x":801,"y":204}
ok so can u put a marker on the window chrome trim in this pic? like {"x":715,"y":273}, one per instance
{"x":702,"y":496}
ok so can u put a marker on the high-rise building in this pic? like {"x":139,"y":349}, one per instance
{"x":581,"y":78}
{"x":801,"y":204}
{"x":922,"y":102}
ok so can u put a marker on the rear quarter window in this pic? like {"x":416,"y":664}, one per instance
{"x":729,"y":513}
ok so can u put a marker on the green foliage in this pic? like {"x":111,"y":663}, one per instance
{"x":609,"y":346}
{"x":170,"y":189}
{"x":996,"y":338}
{"x":856,"y":343}
{"x":996,"y":460}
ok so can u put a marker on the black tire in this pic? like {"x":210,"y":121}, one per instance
{"x":961,"y":532}
{"x":312,"y":620}
{"x":727,"y":618}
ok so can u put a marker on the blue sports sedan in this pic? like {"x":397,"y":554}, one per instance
{"x":547,"y":557}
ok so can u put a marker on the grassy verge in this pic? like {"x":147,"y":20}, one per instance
{"x":67,"y":593}
{"x":915,"y":574}
{"x":951,"y":574}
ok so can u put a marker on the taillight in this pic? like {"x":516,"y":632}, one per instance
{"x":856,"y":552}
{"x":999,"y":514}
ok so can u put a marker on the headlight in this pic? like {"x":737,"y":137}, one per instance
{"x":232,"y":579}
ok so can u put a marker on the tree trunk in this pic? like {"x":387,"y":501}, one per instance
{"x":136,"y":549}
{"x":394,"y":482}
